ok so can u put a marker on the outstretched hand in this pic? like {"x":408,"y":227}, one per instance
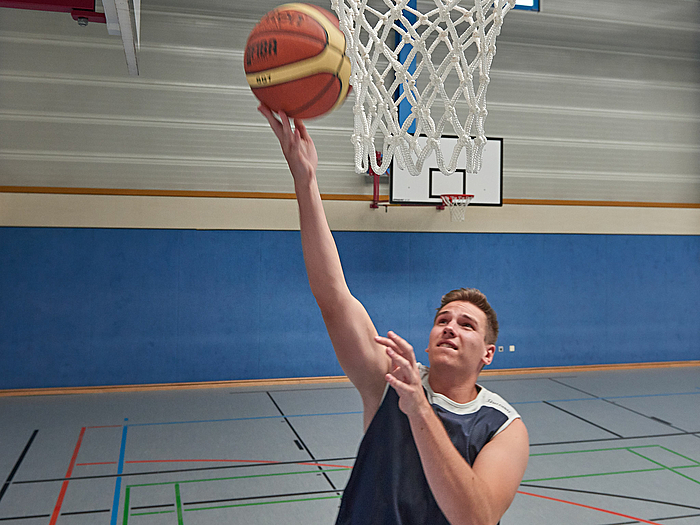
{"x":405,"y":375}
{"x":297,"y":146}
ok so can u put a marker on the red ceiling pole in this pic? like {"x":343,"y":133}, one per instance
{"x":90,"y":16}
{"x":79,"y":9}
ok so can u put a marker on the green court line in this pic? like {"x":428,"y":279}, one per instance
{"x":180,"y":510}
{"x":593,"y":475}
{"x":151,"y":513}
{"x":589,"y":450}
{"x":264,"y":503}
{"x":672,"y":469}
{"x":619,"y":472}
{"x":180,"y":519}
{"x":127,"y":494}
{"x":179,"y":501}
{"x":317,"y":471}
{"x":629,"y":449}
{"x":178,"y":504}
{"x":681,"y":455}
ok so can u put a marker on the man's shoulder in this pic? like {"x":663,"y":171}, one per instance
{"x":491,"y":399}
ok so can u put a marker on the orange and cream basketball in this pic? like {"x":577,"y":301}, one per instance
{"x":295,"y":61}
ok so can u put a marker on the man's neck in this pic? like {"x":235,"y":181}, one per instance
{"x":462,"y":390}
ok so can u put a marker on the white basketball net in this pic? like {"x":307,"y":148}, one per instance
{"x":449,"y":30}
{"x":457,"y":204}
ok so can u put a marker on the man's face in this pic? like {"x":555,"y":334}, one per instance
{"x":458,"y":337}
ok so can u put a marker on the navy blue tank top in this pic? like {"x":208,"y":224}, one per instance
{"x":387,"y":485}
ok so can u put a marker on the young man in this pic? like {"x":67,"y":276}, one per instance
{"x":438,"y":448}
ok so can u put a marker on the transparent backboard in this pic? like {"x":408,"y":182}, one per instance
{"x":425,"y":189}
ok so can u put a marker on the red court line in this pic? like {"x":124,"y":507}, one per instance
{"x":69,"y":473}
{"x":589,"y":507}
{"x":231,"y":461}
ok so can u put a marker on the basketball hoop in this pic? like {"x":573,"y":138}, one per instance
{"x":450,"y":31}
{"x":457,"y":205}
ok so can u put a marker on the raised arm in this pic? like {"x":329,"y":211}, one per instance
{"x":350,"y":328}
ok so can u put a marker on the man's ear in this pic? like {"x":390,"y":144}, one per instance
{"x":488,"y":356}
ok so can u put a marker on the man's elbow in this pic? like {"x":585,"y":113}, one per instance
{"x":334,"y":302}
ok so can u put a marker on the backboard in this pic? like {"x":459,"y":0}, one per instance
{"x":528,"y":5}
{"x":425,"y":189}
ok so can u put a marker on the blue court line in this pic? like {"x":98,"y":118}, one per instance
{"x":329,"y":414}
{"x":120,"y":469}
{"x":551,"y":401}
{"x":240,"y":419}
{"x":204,"y":421}
{"x":655,"y":395}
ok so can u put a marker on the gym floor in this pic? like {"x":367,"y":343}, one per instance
{"x":607,"y":447}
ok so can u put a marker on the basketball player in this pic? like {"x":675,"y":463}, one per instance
{"x":438,"y":448}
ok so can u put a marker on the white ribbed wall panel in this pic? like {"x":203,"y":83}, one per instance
{"x":595,"y":100}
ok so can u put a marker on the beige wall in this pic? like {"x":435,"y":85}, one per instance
{"x":111,"y":211}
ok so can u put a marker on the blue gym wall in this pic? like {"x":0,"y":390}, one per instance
{"x":122,"y":306}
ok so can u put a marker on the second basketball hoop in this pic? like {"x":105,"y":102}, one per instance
{"x":457,"y":204}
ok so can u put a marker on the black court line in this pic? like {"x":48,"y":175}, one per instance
{"x":653,"y":418}
{"x":190,"y":503}
{"x":80,"y":512}
{"x":269,"y":496}
{"x":37,"y":516}
{"x":678,"y":517}
{"x":582,"y":419}
{"x":656,"y":519}
{"x":619,"y":496}
{"x":291,"y":427}
{"x":600,"y":440}
{"x":661,"y":420}
{"x":145,"y":507}
{"x":17,"y":464}
{"x":487,"y":379}
{"x":573,"y":387}
{"x":176,"y":471}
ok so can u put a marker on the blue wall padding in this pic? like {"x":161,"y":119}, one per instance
{"x":105,"y":306}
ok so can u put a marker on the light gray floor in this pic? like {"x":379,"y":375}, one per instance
{"x":607,"y":448}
